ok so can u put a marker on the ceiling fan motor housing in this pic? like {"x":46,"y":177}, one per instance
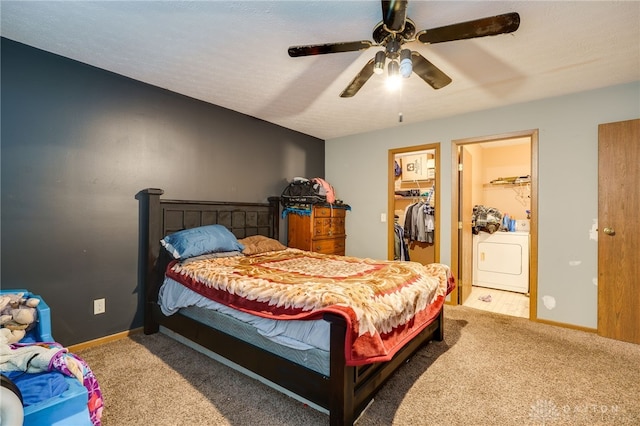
{"x":381,"y":35}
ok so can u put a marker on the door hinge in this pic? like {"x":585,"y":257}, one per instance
{"x":459,"y":167}
{"x":459,"y":225}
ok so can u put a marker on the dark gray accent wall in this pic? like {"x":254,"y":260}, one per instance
{"x":78,"y":143}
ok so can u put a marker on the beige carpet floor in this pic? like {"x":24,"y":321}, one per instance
{"x":489,"y":370}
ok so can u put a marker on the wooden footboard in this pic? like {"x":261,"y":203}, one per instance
{"x":345,"y":393}
{"x":353,"y":388}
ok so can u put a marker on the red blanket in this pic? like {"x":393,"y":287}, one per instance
{"x":385,"y":303}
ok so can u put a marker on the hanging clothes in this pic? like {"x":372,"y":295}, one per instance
{"x":408,"y":222}
{"x":419,"y":223}
{"x":430,"y":223}
{"x":401,"y":250}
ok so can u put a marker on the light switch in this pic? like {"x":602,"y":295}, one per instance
{"x":383,"y":217}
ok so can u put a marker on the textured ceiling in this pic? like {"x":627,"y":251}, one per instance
{"x":234,"y":54}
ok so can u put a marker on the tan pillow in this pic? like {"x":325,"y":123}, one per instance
{"x":259,"y":244}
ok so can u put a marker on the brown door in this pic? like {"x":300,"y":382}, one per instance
{"x":618,"y":233}
{"x":465,"y":263}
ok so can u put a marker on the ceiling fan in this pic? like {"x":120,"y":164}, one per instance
{"x":394,"y":30}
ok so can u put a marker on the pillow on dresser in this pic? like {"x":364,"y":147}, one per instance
{"x":257,"y":244}
{"x":201,"y":240}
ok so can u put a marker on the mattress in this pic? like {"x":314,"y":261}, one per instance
{"x":305,"y":342}
{"x":384,"y":304}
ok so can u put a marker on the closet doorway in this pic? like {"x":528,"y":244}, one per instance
{"x":510,"y":188}
{"x":414,"y":179}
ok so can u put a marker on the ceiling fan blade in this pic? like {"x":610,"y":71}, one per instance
{"x":365,"y":73}
{"x":394,"y":14}
{"x":321,"y":49}
{"x":494,"y":25}
{"x":429,"y":72}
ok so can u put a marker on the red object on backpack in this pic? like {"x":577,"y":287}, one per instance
{"x":324,"y":186}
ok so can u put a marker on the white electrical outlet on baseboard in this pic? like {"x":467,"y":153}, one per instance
{"x":99,"y":306}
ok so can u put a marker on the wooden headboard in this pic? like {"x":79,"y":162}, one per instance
{"x":159,"y":217}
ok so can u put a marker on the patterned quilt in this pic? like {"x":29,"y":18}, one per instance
{"x":385,"y":303}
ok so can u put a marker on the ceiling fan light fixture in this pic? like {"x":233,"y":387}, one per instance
{"x":406,"y":66}
{"x":378,"y":65}
{"x":393,"y":69}
{"x":393,"y":77}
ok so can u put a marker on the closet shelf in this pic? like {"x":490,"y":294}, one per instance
{"x":408,"y":197}
{"x":510,"y":181}
{"x":505,"y":185}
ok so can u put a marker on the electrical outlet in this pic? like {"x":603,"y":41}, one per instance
{"x":99,"y":306}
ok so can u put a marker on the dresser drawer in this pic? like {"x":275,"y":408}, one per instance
{"x":329,"y":212}
{"x":329,"y":246}
{"x":328,"y":227}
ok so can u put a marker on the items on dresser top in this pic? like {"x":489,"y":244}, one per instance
{"x":307,"y":191}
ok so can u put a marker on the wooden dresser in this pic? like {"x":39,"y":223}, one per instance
{"x":321,"y":231}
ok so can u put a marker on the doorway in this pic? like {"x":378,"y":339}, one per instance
{"x":414,"y":177}
{"x":521,"y":187}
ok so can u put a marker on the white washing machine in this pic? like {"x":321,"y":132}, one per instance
{"x":501,"y":260}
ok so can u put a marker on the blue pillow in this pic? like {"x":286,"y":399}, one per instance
{"x":200,"y":240}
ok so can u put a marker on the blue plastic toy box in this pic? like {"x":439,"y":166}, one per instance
{"x":42,"y":331}
{"x":69,"y":408}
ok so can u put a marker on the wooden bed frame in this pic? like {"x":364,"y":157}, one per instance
{"x":345,"y":393}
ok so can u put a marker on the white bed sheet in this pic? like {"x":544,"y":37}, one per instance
{"x":296,"y":334}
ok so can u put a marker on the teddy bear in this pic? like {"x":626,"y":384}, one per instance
{"x":18,"y":315}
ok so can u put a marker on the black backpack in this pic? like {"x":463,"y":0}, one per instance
{"x":301,"y":191}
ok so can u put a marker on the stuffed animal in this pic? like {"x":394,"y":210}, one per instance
{"x":18,"y":315}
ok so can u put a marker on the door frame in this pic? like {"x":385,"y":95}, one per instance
{"x":391,"y":195}
{"x":533,"y":233}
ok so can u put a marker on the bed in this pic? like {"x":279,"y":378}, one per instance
{"x":334,"y":378}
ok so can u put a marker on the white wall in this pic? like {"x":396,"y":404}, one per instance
{"x":499,"y":162}
{"x":568,"y":186}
